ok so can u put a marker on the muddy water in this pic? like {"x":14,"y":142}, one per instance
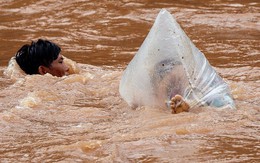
{"x":81,"y":117}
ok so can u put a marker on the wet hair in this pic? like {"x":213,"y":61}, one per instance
{"x":40,"y":53}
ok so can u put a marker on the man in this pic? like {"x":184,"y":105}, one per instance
{"x":41,"y":57}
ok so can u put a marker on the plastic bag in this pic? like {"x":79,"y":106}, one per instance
{"x":168,"y":63}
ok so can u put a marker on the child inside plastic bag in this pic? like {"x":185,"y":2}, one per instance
{"x":168,"y":70}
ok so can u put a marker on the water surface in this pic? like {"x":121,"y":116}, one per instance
{"x":82,"y":117}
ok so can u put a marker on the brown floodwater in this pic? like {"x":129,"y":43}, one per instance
{"x":82,"y":118}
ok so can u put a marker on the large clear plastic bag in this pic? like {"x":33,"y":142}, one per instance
{"x":168,"y":63}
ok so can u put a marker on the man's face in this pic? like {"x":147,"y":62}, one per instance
{"x":58,"y":67}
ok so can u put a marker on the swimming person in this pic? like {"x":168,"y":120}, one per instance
{"x":41,"y":57}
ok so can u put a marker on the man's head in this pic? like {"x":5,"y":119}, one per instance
{"x":41,"y":57}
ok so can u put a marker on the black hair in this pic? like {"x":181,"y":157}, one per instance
{"x":40,"y":53}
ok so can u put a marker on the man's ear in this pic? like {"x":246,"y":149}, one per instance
{"x":42,"y":70}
